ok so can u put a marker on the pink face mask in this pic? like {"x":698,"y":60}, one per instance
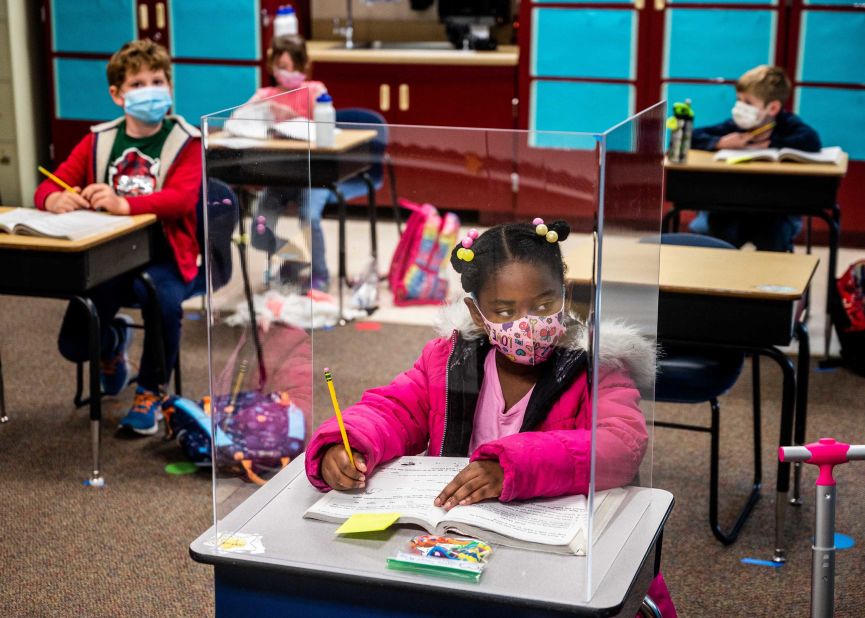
{"x":289,"y":80}
{"x":529,"y":340}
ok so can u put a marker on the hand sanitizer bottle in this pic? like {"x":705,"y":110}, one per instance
{"x":324,"y":116}
{"x":285,"y":23}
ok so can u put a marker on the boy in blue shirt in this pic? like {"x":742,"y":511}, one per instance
{"x":760,"y":95}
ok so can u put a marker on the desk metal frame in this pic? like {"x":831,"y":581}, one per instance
{"x":771,"y":324}
{"x":748,"y":192}
{"x":70,"y":275}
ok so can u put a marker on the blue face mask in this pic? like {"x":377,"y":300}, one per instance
{"x":148,"y":104}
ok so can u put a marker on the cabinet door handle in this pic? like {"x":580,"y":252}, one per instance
{"x":660,"y":5}
{"x":639,"y":4}
{"x":143,"y":17}
{"x":384,"y":97}
{"x":160,"y":15}
{"x":403,"y":98}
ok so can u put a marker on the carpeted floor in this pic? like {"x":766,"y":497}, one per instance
{"x":69,"y":550}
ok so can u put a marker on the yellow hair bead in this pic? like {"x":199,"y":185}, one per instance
{"x":461,"y":253}
{"x":468,"y":255}
{"x":552,"y":236}
{"x":541,"y":229}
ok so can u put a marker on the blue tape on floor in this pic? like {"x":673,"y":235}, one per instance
{"x":842,"y":541}
{"x":759,"y":562}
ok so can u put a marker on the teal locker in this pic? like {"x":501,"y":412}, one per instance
{"x":832,"y":47}
{"x":218,"y":29}
{"x":837,"y":114}
{"x":81,"y":90}
{"x":577,"y":106}
{"x":711,"y":102}
{"x":202,"y":89}
{"x":717,"y":43}
{"x":94,"y":27}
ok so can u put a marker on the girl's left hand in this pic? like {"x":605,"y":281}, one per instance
{"x":478,"y":481}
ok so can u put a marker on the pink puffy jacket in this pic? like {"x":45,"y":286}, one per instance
{"x":430,"y":408}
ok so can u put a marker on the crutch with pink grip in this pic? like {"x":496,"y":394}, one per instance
{"x":826,"y":454}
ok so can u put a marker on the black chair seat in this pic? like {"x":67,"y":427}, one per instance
{"x":691,"y":376}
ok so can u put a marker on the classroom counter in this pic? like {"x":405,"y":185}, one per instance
{"x":425,"y":53}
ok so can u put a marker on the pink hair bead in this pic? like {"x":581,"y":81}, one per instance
{"x":473,"y":234}
{"x":468,"y":241}
{"x":260,"y":228}
{"x":537,"y":221}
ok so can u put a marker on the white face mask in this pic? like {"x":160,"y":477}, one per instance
{"x":747,"y":116}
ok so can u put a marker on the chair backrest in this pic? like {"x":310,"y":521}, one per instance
{"x":362,"y":115}
{"x":694,"y":240}
{"x":222,"y":217}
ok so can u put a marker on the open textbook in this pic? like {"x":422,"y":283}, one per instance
{"x":826,"y":155}
{"x":409,"y":485}
{"x":73,"y":225}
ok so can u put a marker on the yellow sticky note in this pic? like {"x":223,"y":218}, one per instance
{"x":367,"y":522}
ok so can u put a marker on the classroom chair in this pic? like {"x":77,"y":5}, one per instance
{"x":357,"y":187}
{"x":222,"y":217}
{"x":690,"y":374}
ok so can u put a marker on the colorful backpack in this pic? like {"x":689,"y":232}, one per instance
{"x":417,"y":274}
{"x":848,"y":315}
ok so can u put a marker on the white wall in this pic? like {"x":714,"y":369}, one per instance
{"x":21,"y":118}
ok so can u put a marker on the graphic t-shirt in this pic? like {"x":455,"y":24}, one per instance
{"x":133,"y":165}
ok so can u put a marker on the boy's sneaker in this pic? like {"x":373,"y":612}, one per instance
{"x":115,"y":372}
{"x":142,"y":416}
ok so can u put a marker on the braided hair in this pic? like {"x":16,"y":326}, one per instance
{"x":510,"y":242}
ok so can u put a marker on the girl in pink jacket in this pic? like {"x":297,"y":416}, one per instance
{"x":508,"y":387}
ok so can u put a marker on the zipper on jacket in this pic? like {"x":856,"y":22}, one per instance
{"x":448,"y":390}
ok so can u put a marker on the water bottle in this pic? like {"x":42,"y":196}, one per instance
{"x":285,"y":23}
{"x":324,"y":116}
{"x":681,"y":126}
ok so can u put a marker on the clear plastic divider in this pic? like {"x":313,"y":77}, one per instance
{"x":532,"y":347}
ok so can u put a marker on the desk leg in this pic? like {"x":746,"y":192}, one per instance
{"x":373,"y":234}
{"x":341,"y":276}
{"x":803,"y":367}
{"x":96,"y":479}
{"x":834,"y":223}
{"x":786,"y":435}
{"x":3,"y":417}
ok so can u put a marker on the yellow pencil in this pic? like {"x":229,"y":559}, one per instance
{"x":56,"y":180}
{"x":762,"y":129}
{"x":329,"y":379}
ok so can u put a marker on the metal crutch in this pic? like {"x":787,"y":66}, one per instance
{"x":826,"y":454}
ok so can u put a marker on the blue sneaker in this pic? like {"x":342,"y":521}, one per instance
{"x":115,"y":372}
{"x":142,"y":417}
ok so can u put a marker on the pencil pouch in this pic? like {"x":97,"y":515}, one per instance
{"x":443,"y":556}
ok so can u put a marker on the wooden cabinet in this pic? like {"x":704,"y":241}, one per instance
{"x":439,"y":95}
{"x":441,"y":88}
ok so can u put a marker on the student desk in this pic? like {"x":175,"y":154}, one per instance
{"x":308,"y":571}
{"x":68,"y":269}
{"x":746,"y":300}
{"x":806,"y":189}
{"x":296,"y":163}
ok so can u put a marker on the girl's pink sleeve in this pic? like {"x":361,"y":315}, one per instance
{"x":388,"y":422}
{"x":554,"y":463}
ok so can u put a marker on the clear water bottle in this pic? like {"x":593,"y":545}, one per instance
{"x":285,"y":23}
{"x":324,"y":116}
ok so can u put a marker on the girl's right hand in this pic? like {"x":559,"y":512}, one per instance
{"x":337,"y":471}
{"x":65,"y":201}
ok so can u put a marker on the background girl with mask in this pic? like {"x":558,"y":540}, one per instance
{"x":143,"y":162}
{"x":506,"y":384}
{"x":758,"y":121}
{"x":288,"y":63}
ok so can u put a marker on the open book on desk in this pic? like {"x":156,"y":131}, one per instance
{"x":409,"y":485}
{"x":73,"y":225}
{"x":826,"y":155}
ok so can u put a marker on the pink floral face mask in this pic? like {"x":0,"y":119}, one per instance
{"x":529,"y":340}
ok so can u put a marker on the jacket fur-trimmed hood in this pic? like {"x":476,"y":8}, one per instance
{"x":622,"y":346}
